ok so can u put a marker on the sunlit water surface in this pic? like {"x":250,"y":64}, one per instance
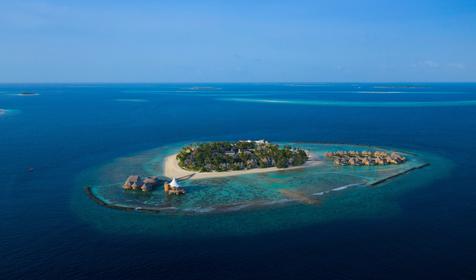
{"x":69,"y":136}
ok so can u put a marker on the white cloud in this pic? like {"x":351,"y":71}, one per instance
{"x":429,"y":64}
{"x":457,"y":65}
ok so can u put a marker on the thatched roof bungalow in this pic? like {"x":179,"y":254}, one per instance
{"x":135,"y":182}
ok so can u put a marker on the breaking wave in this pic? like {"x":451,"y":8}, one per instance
{"x":450,"y":103}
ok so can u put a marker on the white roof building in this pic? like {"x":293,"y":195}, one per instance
{"x":174,"y":183}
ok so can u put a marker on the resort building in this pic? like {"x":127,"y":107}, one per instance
{"x":135,"y":182}
{"x":262,"y":141}
{"x":173,"y":187}
{"x":367,"y":158}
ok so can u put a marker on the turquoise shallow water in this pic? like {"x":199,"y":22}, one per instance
{"x":72,"y":135}
{"x":265,"y":201}
{"x":4,"y":113}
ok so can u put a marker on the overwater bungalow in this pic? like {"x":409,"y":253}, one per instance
{"x":173,"y":187}
{"x":135,"y":182}
{"x":365,"y":158}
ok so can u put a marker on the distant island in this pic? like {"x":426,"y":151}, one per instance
{"x":240,"y":155}
{"x":26,"y":93}
{"x":402,"y":87}
{"x":365,"y":158}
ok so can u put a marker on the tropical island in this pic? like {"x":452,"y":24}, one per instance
{"x":230,"y":176}
{"x":240,"y":155}
{"x":222,"y":159}
{"x":27,"y":93}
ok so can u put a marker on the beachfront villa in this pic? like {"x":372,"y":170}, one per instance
{"x":173,"y":187}
{"x":135,"y":182}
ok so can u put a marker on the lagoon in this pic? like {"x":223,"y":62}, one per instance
{"x":74,"y":135}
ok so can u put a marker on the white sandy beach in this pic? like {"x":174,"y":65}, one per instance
{"x":172,"y":169}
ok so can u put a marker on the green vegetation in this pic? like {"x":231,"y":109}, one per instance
{"x":241,"y":155}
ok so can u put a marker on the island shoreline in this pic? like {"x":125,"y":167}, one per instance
{"x":171,"y":169}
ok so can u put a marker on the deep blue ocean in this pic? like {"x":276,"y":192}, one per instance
{"x":49,"y":229}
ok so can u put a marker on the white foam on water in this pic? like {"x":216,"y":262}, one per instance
{"x":278,"y":201}
{"x":341,"y":188}
{"x":319,"y":193}
{"x":344,"y":187}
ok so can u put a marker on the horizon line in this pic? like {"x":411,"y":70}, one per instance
{"x":244,"y":82}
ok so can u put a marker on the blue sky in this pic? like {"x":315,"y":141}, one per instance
{"x":237,"y":41}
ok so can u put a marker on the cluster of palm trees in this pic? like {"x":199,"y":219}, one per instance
{"x":226,"y":156}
